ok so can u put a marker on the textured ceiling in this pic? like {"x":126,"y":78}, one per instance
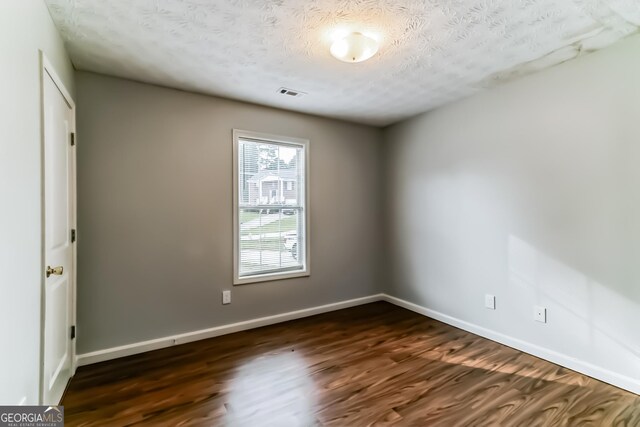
{"x":431,"y":51}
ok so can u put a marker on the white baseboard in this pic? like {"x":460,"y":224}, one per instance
{"x":155,"y":344}
{"x":572,"y":363}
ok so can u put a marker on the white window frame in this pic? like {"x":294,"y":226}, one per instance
{"x":268,"y":139}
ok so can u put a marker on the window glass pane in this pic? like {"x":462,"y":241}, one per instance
{"x":269,"y":240}
{"x":271,"y":207}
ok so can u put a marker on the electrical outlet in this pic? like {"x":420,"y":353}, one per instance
{"x":490,"y":301}
{"x":226,"y":297}
{"x":540,"y":314}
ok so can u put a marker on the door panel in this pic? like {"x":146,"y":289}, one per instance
{"x":57,"y":158}
{"x":58,"y":351}
{"x":58,"y":220}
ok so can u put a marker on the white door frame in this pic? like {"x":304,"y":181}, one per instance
{"x":47,"y":68}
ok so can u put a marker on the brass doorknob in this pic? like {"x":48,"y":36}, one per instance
{"x":55,"y":270}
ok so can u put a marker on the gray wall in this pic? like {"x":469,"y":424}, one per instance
{"x":155,"y":212}
{"x":25,"y":28}
{"x":531,"y":192}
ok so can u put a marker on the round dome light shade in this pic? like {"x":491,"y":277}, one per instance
{"x":355,"y":47}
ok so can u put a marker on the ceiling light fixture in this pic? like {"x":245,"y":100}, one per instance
{"x":355,"y":47}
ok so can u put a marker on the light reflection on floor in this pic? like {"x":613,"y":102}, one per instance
{"x":273,"y":389}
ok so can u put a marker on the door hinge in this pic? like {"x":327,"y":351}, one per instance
{"x":73,"y":331}
{"x":73,"y":235}
{"x":73,"y":138}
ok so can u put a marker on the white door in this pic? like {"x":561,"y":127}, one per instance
{"x":59,"y":220}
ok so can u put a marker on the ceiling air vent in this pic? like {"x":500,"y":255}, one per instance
{"x":291,"y":92}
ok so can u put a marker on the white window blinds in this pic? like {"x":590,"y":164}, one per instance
{"x":271,"y":218}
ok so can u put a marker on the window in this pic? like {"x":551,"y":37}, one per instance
{"x":270,"y":207}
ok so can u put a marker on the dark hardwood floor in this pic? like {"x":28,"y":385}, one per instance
{"x":375,"y":364}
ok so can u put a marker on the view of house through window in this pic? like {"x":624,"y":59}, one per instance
{"x":271,"y":203}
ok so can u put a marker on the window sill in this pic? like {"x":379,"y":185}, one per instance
{"x":270,"y":277}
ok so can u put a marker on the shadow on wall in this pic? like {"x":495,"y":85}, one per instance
{"x":604,"y":323}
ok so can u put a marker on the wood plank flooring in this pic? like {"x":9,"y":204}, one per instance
{"x":375,"y":364}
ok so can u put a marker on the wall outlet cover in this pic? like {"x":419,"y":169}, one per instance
{"x":490,"y":301}
{"x":540,"y":314}
{"x":226,"y":297}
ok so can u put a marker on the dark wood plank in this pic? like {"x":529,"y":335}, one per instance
{"x":375,"y":364}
